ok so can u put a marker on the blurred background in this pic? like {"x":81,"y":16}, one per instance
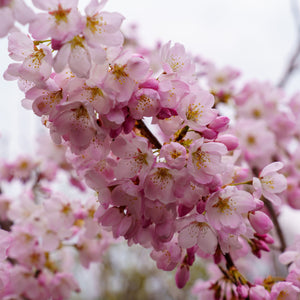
{"x":257,"y":37}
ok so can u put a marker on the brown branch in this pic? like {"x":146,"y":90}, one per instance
{"x":182,"y":134}
{"x":277,"y":226}
{"x":292,"y":64}
{"x":144,"y":130}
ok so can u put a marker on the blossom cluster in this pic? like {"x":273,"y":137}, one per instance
{"x":188,"y":184}
{"x":41,"y":228}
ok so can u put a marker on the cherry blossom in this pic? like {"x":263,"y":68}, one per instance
{"x":60,"y":22}
{"x":193,"y":183}
{"x":205,"y":160}
{"x":270,"y":182}
{"x":11,"y":10}
{"x":225,"y":209}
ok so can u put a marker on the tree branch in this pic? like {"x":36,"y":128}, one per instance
{"x":293,"y":62}
{"x":144,"y":130}
{"x":277,"y":226}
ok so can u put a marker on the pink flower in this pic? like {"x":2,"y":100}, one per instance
{"x":124,"y":73}
{"x":182,"y":275}
{"x":11,"y":10}
{"x":258,"y":292}
{"x":261,"y":223}
{"x":171,"y":90}
{"x":128,"y":195}
{"x":90,"y":250}
{"x":102,"y":28}
{"x":7,"y":20}
{"x":5,"y":241}
{"x":159,"y":184}
{"x":293,"y":277}
{"x":198,"y":233}
{"x":284,"y":290}
{"x":75,"y":122}
{"x":120,"y":223}
{"x":36,"y":63}
{"x":204,"y":160}
{"x":270,"y":182}
{"x":196,"y":109}
{"x":76,"y":54}
{"x":257,"y":141}
{"x":174,"y":59}
{"x":23,"y":240}
{"x":46,"y":103}
{"x":175,"y":155}
{"x":135,"y":157}
{"x":203,"y":290}
{"x":220,"y":80}
{"x":144,"y":103}
{"x":226,"y":209}
{"x":291,"y":255}
{"x":168,"y":258}
{"x":61,"y":22}
{"x":62,"y":285}
{"x":82,"y":90}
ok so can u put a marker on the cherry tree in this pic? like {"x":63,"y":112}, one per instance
{"x":142,"y":132}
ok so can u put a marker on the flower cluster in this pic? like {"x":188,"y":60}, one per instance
{"x":186,"y":185}
{"x":42,"y":228}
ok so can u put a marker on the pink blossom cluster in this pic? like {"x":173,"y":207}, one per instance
{"x":40,"y":227}
{"x":186,"y":185}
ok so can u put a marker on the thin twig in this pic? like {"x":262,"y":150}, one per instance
{"x":277,"y":226}
{"x":144,"y":130}
{"x":292,"y":66}
{"x":293,"y":62}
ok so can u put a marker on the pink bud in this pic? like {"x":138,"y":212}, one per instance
{"x":219,"y":124}
{"x":128,"y":124}
{"x":150,"y":84}
{"x":240,"y":174}
{"x":209,"y":134}
{"x":230,"y":141}
{"x":165,"y":113}
{"x":56,"y":44}
{"x":182,"y":276}
{"x":164,"y":231}
{"x":263,"y":246}
{"x":190,"y":258}
{"x":243,"y":291}
{"x":200,"y":207}
{"x":268,"y":239}
{"x":75,"y":182}
{"x":259,"y":204}
{"x":260,"y":222}
{"x":115,"y":132}
{"x":258,"y":292}
{"x":218,"y":256}
{"x":184,"y":210}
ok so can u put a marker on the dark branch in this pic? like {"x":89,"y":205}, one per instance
{"x":144,"y":130}
{"x":293,"y":62}
{"x":277,"y":226}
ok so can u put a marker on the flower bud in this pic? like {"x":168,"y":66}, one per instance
{"x":261,"y":223}
{"x":219,"y":124}
{"x":182,"y":275}
{"x":243,"y":291}
{"x":230,"y":141}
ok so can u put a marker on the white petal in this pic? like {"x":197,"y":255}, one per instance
{"x":188,"y":236}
